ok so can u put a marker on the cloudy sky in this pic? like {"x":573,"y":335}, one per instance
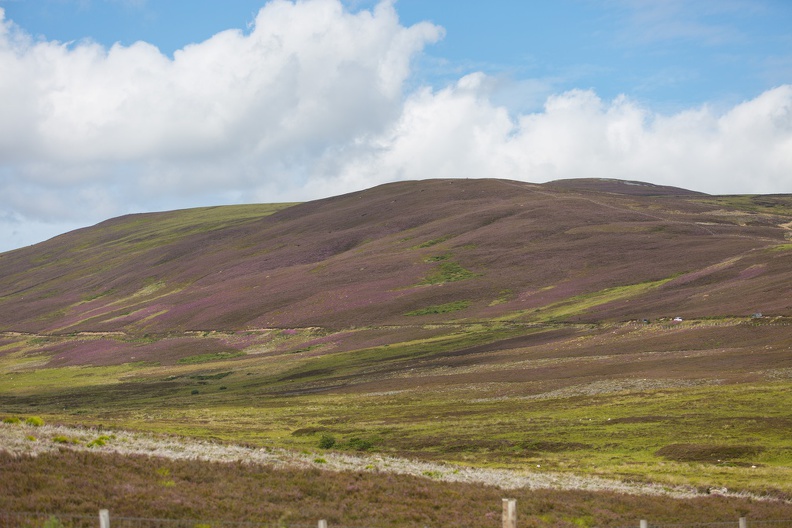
{"x":110,"y":107}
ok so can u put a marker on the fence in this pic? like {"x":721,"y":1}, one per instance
{"x":103,"y":520}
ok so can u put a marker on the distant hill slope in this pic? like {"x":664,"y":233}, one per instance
{"x":412,"y":252}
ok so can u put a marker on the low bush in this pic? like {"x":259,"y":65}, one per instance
{"x":35,"y":421}
{"x":98,"y":442}
{"x":327,"y":441}
{"x":360,"y":444}
{"x":60,"y":439}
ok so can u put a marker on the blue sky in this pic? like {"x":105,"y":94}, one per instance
{"x":668,"y":53}
{"x":115,"y":106}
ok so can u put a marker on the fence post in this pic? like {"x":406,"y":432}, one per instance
{"x":322,"y":524}
{"x":644,"y":523}
{"x":509,"y":513}
{"x":104,"y":518}
{"x":743,"y":522}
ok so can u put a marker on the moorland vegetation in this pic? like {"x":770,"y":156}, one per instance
{"x":590,"y":328}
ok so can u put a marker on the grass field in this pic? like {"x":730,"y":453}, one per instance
{"x":570,"y":400}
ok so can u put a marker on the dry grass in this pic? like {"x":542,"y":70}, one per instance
{"x":172,"y":478}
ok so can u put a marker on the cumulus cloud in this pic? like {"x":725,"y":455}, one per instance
{"x":458,"y":132}
{"x":238,"y":111}
{"x":310,"y":102}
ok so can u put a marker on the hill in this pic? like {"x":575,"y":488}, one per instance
{"x":498,"y":249}
{"x":593,"y":327}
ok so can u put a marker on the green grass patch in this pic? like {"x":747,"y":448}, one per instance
{"x":504,"y":296}
{"x":35,"y":421}
{"x":140,"y":233}
{"x":386,"y":357}
{"x":218,"y":376}
{"x":781,"y":247}
{"x":45,"y":380}
{"x":205,"y":358}
{"x":448,"y":271}
{"x":60,"y":439}
{"x":582,"y":303}
{"x":99,"y":441}
{"x":455,"y":306}
{"x":764,"y":204}
{"x":433,"y":242}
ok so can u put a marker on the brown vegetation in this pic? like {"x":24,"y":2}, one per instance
{"x":140,"y":486}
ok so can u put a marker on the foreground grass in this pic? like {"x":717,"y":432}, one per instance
{"x":718,"y":436}
{"x":66,"y":482}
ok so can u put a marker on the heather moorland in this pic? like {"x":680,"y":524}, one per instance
{"x":587,"y":329}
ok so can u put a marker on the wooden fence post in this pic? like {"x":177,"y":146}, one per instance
{"x":743,"y":522}
{"x":509,"y":513}
{"x":322,"y":524}
{"x":644,"y":523}
{"x":104,"y":518}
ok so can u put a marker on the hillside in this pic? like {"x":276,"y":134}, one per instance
{"x":480,"y":322}
{"x":502,"y":249}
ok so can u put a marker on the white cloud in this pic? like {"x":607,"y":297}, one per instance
{"x":222,"y":116}
{"x":309,"y":103}
{"x":458,"y":132}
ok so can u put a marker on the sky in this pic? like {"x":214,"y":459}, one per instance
{"x":111,"y":107}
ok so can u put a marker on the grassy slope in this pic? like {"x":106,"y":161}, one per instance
{"x":481,"y":322}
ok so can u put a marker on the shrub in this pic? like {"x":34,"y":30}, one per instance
{"x":98,"y":442}
{"x":11,"y":420}
{"x":327,"y":441}
{"x":60,"y":439}
{"x":35,"y":421}
{"x":360,"y":444}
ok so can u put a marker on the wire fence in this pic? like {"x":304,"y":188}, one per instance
{"x":47,"y":520}
{"x":50,"y":520}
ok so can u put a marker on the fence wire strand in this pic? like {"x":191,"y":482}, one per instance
{"x":59,"y":520}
